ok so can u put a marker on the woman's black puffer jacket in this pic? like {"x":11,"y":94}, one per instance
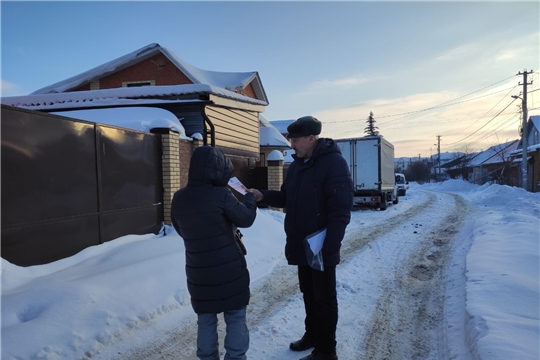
{"x":203,"y":214}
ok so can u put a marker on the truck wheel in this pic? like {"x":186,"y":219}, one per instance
{"x":396,"y":200}
{"x":383,"y":204}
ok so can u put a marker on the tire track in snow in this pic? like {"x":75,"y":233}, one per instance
{"x":408,"y":322}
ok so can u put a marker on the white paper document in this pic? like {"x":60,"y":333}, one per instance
{"x":316,"y":241}
{"x":237,"y":185}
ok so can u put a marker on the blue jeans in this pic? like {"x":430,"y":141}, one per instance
{"x":236,"y":339}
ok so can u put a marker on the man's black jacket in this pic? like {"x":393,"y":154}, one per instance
{"x":316,"y":194}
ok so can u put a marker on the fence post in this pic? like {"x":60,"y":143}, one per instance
{"x":171,"y":171}
{"x":275,"y":171}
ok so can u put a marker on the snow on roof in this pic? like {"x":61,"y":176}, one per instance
{"x":519,"y":149}
{"x":446,"y":156}
{"x":147,"y":118}
{"x":536,"y":121}
{"x":270,"y":136}
{"x":288,"y":156}
{"x":226,"y":80}
{"x":136,"y":118}
{"x":264,"y":122}
{"x":275,"y":155}
{"x":120,"y":96}
{"x":281,"y":125}
{"x":495,"y":154}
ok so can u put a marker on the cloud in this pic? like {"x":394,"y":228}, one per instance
{"x":10,"y":89}
{"x":344,"y":83}
{"x":520,"y":48}
{"x":412,"y":123}
{"x":506,"y":54}
{"x":456,"y":53}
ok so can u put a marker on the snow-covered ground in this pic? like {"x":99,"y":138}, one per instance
{"x":450,"y":272}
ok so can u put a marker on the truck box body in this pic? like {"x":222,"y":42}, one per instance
{"x":371,"y":162}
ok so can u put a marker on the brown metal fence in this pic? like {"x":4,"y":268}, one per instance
{"x":70,"y":184}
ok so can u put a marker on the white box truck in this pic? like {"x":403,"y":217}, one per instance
{"x":371,"y":161}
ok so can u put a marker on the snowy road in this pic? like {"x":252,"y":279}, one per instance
{"x":391,"y":306}
{"x":449,"y":273}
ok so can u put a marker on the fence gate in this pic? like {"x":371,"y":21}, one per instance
{"x":70,"y":184}
{"x":259,"y":178}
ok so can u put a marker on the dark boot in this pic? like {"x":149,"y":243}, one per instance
{"x":317,"y":355}
{"x":306,"y":342}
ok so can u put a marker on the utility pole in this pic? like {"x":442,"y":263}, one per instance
{"x":439,"y":155}
{"x":524,"y":135}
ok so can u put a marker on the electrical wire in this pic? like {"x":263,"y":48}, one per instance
{"x":511,"y":119}
{"x":436,"y":106}
{"x":440,"y":106}
{"x":468,"y":136}
{"x":474,"y":122}
{"x":482,"y":135}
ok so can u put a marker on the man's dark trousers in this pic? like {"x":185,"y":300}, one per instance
{"x":320,"y":301}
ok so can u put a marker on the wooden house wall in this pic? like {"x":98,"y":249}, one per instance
{"x":190,"y":116}
{"x":237,"y":131}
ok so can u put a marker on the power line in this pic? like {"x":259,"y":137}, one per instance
{"x":442,"y":105}
{"x":468,"y":136}
{"x":449,"y":101}
{"x":506,"y":122}
{"x":432,"y":122}
{"x":474,"y":122}
{"x":436,"y":106}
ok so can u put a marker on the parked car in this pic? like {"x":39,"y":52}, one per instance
{"x":402,"y":184}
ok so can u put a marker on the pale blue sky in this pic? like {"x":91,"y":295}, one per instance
{"x":335,"y":60}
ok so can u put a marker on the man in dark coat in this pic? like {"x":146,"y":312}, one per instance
{"x":317,"y":194}
{"x":205,"y":214}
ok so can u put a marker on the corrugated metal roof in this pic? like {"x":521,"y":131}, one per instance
{"x":120,"y":96}
{"x":495,"y":154}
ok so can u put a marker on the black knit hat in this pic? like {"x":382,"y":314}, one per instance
{"x":304,"y":126}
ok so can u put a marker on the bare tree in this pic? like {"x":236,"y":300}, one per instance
{"x":459,"y":167}
{"x":501,"y":174}
{"x":418,"y":171}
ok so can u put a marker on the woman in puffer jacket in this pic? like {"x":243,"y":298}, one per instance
{"x":205,"y":214}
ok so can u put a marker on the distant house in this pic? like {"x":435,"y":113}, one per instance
{"x":492,"y":165}
{"x":459,"y":167}
{"x":271,"y":139}
{"x":533,"y":156}
{"x":282,"y":125}
{"x":401,"y":164}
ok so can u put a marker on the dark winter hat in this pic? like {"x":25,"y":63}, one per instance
{"x":304,"y":126}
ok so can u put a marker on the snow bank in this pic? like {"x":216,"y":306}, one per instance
{"x":502,"y":271}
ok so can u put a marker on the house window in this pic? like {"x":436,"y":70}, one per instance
{"x":138,"y":83}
